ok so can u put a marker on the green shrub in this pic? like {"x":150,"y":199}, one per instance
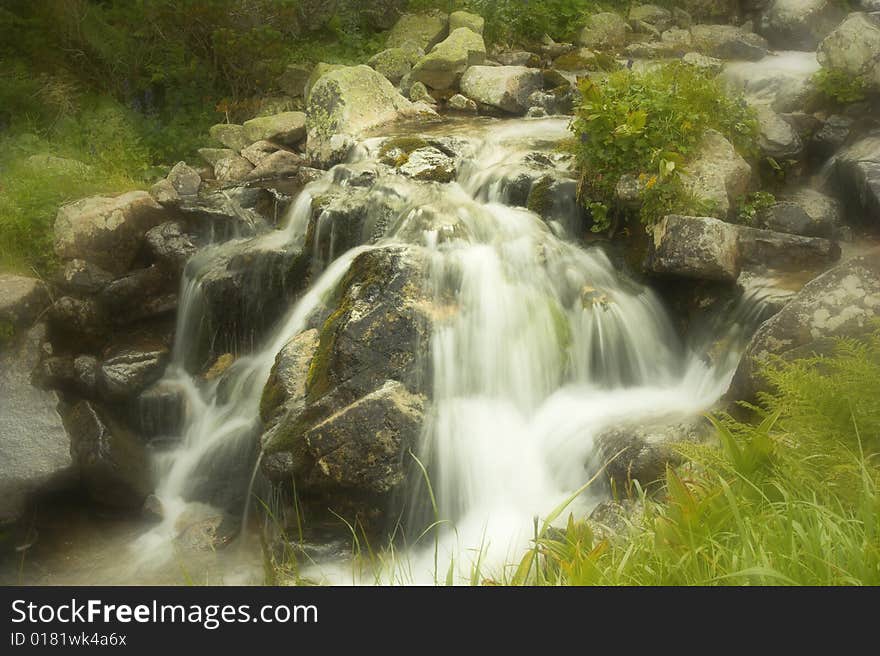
{"x":839,"y":86}
{"x":791,"y":498}
{"x":647,"y":124}
{"x":752,"y":205}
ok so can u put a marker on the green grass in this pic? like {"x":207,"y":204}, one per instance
{"x":788,"y":499}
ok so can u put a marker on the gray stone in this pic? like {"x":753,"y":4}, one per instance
{"x":504,"y":87}
{"x":519,"y":58}
{"x":717,"y":174}
{"x":854,"y":48}
{"x":22,"y":299}
{"x":857,"y":176}
{"x":694,"y":247}
{"x":232,"y":136}
{"x":604,"y":30}
{"x":704,"y":62}
{"x":466,"y":19}
{"x":286,"y":128}
{"x":232,"y":169}
{"x":728,"y":42}
{"x":444,"y":65}
{"x":800,"y":24}
{"x":832,"y":136}
{"x":658,"y":17}
{"x":260,"y":150}
{"x":462,"y":103}
{"x":280,"y":164}
{"x":424,"y":30}
{"x":430,"y":165}
{"x":783,"y":81}
{"x":825,"y":212}
{"x":781,"y":251}
{"x":34,"y":448}
{"x":777,"y":138}
{"x":128,"y":372}
{"x":170,"y":244}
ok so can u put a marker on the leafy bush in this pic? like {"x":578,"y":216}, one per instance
{"x":839,"y":86}
{"x":791,"y":498}
{"x":752,"y":205}
{"x":647,"y":124}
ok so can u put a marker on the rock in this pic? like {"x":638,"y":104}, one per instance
{"x":79,"y":277}
{"x":22,"y":300}
{"x":777,"y":138}
{"x":232,"y":212}
{"x":642,"y":452}
{"x":321,"y":69}
{"x":697,"y":60}
{"x":113,"y":465}
{"x":34,"y":448}
{"x":782,"y":81}
{"x":232,"y":136}
{"x":418,"y":92}
{"x":553,"y":197}
{"x":140,"y":294}
{"x":444,"y":65}
{"x":285,"y":391}
{"x":363,"y":400}
{"x":854,"y":48}
{"x":85,"y":373}
{"x":825,"y":212}
{"x":82,"y":318}
{"x":856,"y":174}
{"x":395,"y":63}
{"x":286,"y":128}
{"x":519,"y":58}
{"x":505,"y":87}
{"x":162,"y":410}
{"x":650,"y":50}
{"x":165,"y":193}
{"x":214,"y":155}
{"x":679,"y":40}
{"x":683,"y":19}
{"x":430,"y":165}
{"x":170,"y":244}
{"x":787,"y":252}
{"x":346,"y":102}
{"x":842,"y":302}
{"x":424,"y":30}
{"x":185,"y":180}
{"x":280,"y":164}
{"x":792,"y":217}
{"x":472,"y":22}
{"x":717,"y":174}
{"x":232,"y":169}
{"x":694,"y":247}
{"x":127,"y":372}
{"x":462,"y":103}
{"x":653,"y":15}
{"x":260,"y":150}
{"x":106,"y":231}
{"x":832,"y":136}
{"x":58,"y":166}
{"x":293,"y":81}
{"x":604,"y":30}
{"x":728,"y":42}
{"x":800,"y":24}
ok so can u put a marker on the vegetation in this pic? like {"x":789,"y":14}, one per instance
{"x":839,"y":87}
{"x":752,"y":205}
{"x":647,"y":124}
{"x":790,"y":498}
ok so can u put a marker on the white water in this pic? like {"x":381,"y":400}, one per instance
{"x":541,"y":344}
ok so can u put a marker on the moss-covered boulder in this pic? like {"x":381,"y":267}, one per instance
{"x":853,"y":47}
{"x":728,"y":42}
{"x":286,"y":128}
{"x":800,"y":24}
{"x":604,"y":30}
{"x":504,"y":87}
{"x":473,"y":22}
{"x":232,"y":136}
{"x":395,"y":63}
{"x":321,"y":69}
{"x":717,"y":175}
{"x":444,"y":65}
{"x":424,"y":30}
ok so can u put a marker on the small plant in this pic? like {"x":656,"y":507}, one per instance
{"x":839,"y":86}
{"x":751,"y":206}
{"x":648,"y":125}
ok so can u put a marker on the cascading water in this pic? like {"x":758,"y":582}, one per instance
{"x":541,"y":345}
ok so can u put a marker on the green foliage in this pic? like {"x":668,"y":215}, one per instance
{"x":791,"y":498}
{"x":752,"y":205}
{"x":648,"y":124}
{"x":839,"y":86}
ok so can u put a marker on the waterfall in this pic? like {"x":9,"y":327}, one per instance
{"x":545,"y":344}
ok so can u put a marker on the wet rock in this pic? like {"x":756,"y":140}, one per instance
{"x":717,"y":174}
{"x":233,"y":168}
{"x":445,"y":63}
{"x":132,"y":297}
{"x":22,"y":300}
{"x":857,"y":176}
{"x":505,"y":87}
{"x":604,"y":30}
{"x":784,"y":82}
{"x":854,"y":48}
{"x":79,"y":277}
{"x":280,"y":164}
{"x":169,"y":244}
{"x":825,"y":212}
{"x":85,"y":371}
{"x":728,"y":42}
{"x":346,"y":102}
{"x":473,"y":22}
{"x":778,"y":250}
{"x":228,"y":213}
{"x":395,"y":63}
{"x":113,"y":465}
{"x":128,"y":372}
{"x":842,"y":302}
{"x":185,"y":180}
{"x":232,"y":136}
{"x":553,"y":197}
{"x":777,"y":138}
{"x":642,"y":452}
{"x":286,"y":128}
{"x":694,"y":247}
{"x":202,"y":527}
{"x":424,"y":30}
{"x":429,"y":165}
{"x":34,"y":448}
{"x":462,"y":103}
{"x":106,"y":231}
{"x":831,"y":136}
{"x":791,"y":217}
{"x":800,"y":24}
{"x":78,"y":317}
{"x":161,"y":410}
{"x":285,"y":391}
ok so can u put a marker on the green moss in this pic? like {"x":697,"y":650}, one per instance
{"x":539,"y":197}
{"x":396,"y":151}
{"x":574,"y":62}
{"x":839,"y":87}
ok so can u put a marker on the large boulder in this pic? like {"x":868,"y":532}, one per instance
{"x":604,"y":30}
{"x":423,"y":30}
{"x":345,"y":432}
{"x":232,"y":136}
{"x":728,"y":42}
{"x":784,"y":251}
{"x":717,"y":174}
{"x":800,"y":24}
{"x":34,"y":448}
{"x":22,"y":300}
{"x":395,"y":63}
{"x":106,"y":230}
{"x":286,"y":128}
{"x":659,"y":18}
{"x":466,"y":19}
{"x":504,"y":87}
{"x":694,"y":247}
{"x":444,"y":65}
{"x":825,"y":212}
{"x":320,"y":70}
{"x":346,"y":102}
{"x":783,"y":81}
{"x":842,"y":302}
{"x":776,"y":137}
{"x":854,"y":48}
{"x":113,"y":465}
{"x":857,"y":176}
